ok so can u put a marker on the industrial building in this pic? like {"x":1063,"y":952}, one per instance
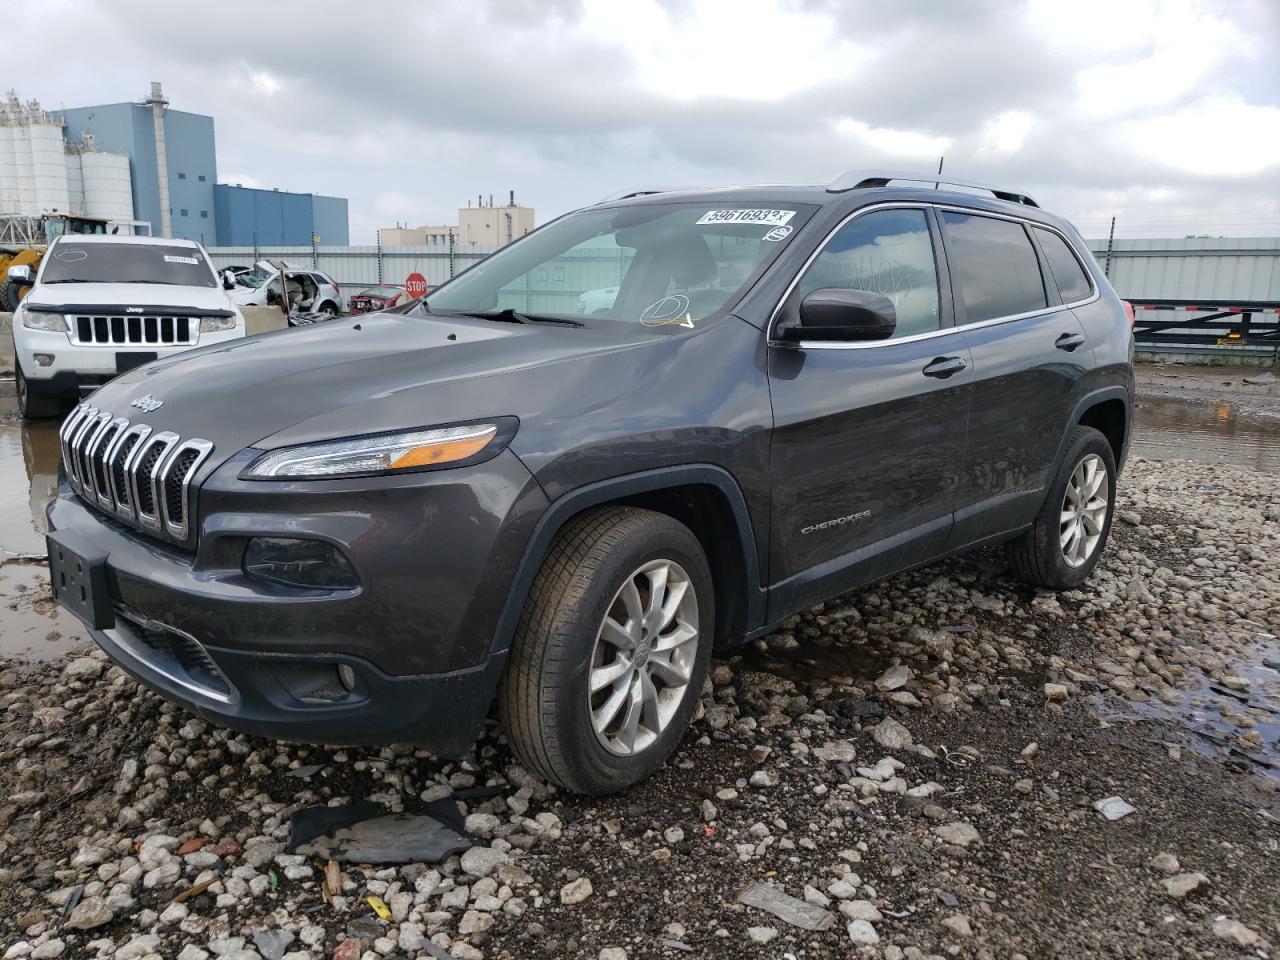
{"x":481,"y":225}
{"x":247,"y":217}
{"x":84,"y":160}
{"x":41,"y":172}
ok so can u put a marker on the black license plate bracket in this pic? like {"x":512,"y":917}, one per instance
{"x":78,"y":572}
{"x":126,"y":360}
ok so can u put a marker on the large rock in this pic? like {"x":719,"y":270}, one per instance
{"x":960,"y":834}
{"x":89,"y":914}
{"x":892,"y":735}
{"x":482,"y":861}
{"x":1185,"y":884}
{"x":576,"y":891}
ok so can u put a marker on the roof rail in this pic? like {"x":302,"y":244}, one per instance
{"x":631,"y":194}
{"x":862,"y":179}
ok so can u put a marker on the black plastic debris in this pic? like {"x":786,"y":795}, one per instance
{"x":367,"y":832}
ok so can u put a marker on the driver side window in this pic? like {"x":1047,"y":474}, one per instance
{"x":887,"y":252}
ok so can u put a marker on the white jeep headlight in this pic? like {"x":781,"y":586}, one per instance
{"x":384,"y":453}
{"x":217,"y":324}
{"x":52,"y":322}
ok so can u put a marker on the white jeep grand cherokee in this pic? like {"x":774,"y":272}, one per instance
{"x":102,"y":305}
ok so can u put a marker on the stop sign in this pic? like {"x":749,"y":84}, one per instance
{"x":416,"y":285}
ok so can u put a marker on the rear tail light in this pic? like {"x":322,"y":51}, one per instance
{"x":337,"y":288}
{"x":1128,"y":312}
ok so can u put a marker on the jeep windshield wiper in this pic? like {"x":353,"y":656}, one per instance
{"x":511,"y":315}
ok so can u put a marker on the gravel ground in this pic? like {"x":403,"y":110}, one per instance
{"x":918,"y":761}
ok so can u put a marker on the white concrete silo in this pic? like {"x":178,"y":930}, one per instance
{"x":48,"y":162}
{"x":75,"y":180}
{"x":108,"y":191}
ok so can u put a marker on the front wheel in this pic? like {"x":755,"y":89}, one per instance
{"x":611,"y":651}
{"x":1068,"y":535}
{"x":32,"y":406}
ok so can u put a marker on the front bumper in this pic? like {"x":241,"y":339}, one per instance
{"x":78,"y":369}
{"x":435,"y":553}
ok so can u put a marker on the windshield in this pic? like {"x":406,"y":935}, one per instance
{"x":655,"y":263}
{"x":72,"y":262}
{"x":253,"y":279}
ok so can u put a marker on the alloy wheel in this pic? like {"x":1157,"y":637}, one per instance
{"x":643,"y":658}
{"x":1084,"y":510}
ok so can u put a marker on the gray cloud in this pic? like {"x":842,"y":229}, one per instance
{"x":409,"y":109}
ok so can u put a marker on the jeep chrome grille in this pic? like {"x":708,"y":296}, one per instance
{"x":128,"y":470}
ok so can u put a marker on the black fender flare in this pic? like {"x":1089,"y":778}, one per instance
{"x":1092,"y":399}
{"x":617,"y":488}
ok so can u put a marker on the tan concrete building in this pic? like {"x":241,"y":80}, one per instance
{"x":485,"y":225}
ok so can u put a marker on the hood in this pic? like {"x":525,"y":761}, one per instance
{"x":345,"y":378}
{"x":120,"y":296}
{"x":246,"y":295}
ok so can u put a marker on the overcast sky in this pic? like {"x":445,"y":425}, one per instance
{"x":1166,"y":114}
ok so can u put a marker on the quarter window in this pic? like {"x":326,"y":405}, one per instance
{"x":888,"y":252}
{"x":994,"y":268}
{"x":1073,"y":282}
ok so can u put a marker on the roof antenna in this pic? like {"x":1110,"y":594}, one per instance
{"x":940,"y":159}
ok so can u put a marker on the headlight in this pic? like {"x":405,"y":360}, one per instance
{"x":217,"y":324}
{"x":385,"y":453}
{"x":53,"y":322}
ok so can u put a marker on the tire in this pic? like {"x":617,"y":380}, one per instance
{"x":32,"y":406}
{"x":1049,"y":554}
{"x":330,"y":309}
{"x":9,"y":296}
{"x":544,"y":700}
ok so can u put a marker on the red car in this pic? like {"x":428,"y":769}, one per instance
{"x":377,"y":298}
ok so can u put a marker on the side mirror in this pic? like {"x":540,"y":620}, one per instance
{"x":22,"y":274}
{"x":836,"y":314}
{"x":228,"y":280}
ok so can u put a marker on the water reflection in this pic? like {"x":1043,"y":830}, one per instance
{"x":1207,"y":432}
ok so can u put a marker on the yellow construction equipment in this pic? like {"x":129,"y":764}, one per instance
{"x":23,"y":241}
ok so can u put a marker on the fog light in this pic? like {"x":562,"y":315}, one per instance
{"x":347,"y":677}
{"x":43,"y":359}
{"x":311,"y":564}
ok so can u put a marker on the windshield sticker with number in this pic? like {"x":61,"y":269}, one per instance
{"x":191,"y":260}
{"x":769,"y":218}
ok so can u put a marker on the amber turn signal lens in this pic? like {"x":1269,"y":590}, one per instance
{"x":444,"y":451}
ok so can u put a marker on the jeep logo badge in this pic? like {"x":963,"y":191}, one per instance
{"x":147,"y":403}
{"x":133,"y":310}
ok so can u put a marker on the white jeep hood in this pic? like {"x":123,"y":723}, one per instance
{"x":120,"y":296}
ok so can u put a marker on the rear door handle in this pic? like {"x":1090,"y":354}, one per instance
{"x":943,"y":367}
{"x":1069,"y":341}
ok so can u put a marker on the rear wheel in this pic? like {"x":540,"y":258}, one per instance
{"x":611,"y":650}
{"x":1066,"y":540}
{"x":33,"y":406}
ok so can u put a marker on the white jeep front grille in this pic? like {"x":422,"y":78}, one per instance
{"x":133,"y":330}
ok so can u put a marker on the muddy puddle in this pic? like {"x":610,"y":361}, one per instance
{"x":1207,"y":432}
{"x":1239,"y":726}
{"x":31,"y":624}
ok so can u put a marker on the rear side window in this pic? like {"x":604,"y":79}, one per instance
{"x":1073,"y":282}
{"x":993,"y":266}
{"x":888,"y":252}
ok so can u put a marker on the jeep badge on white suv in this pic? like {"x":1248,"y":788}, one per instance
{"x":102,"y":305}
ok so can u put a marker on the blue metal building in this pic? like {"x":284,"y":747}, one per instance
{"x":128,"y":128}
{"x":200,"y":208}
{"x":249,"y":217}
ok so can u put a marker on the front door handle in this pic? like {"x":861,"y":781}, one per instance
{"x":943,"y":367}
{"x":1069,"y":341}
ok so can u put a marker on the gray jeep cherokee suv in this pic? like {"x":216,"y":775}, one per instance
{"x":367,"y":531}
